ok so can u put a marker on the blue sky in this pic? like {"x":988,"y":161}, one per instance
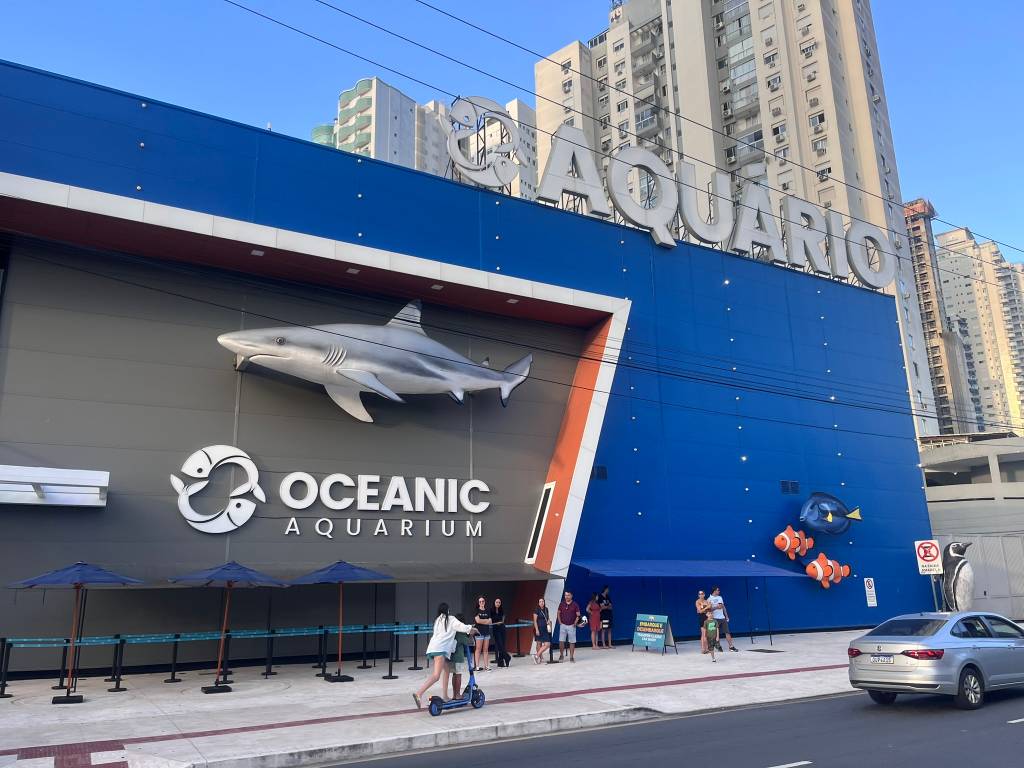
{"x":953,"y":79}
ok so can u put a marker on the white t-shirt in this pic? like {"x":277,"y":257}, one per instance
{"x":717,"y":604}
{"x":443,"y":639}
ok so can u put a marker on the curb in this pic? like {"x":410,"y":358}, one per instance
{"x":341,"y":753}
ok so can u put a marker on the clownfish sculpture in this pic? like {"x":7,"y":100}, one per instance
{"x":827,"y":572}
{"x":793,"y":543}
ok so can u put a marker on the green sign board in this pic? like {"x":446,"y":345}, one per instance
{"x":653,"y":631}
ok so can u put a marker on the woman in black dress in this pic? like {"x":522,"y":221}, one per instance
{"x":482,"y":623}
{"x":498,"y":633}
{"x":541,"y":630}
{"x":605,"y":601}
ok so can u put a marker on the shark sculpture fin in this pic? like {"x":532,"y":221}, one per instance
{"x":458,"y":395}
{"x":349,"y":401}
{"x":367,"y":380}
{"x":409,"y":317}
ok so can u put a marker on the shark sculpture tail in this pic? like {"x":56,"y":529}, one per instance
{"x":517,"y":374}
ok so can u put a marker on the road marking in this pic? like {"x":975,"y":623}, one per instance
{"x":792,"y":765}
{"x":1014,"y":722}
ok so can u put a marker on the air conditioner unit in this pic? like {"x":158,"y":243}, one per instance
{"x":811,"y":76}
{"x":776,"y":111}
{"x":801,"y":6}
{"x":730,"y":158}
{"x":826,"y":204}
{"x":719,"y":24}
{"x":876,"y":98}
{"x":782,"y":161}
{"x":786,"y":186}
{"x":779,"y":138}
{"x":819,"y":128}
{"x":726,"y":110}
{"x":814,"y":101}
{"x":774,"y":86}
{"x":726,"y":87}
{"x":769,"y":41}
{"x":821,"y":152}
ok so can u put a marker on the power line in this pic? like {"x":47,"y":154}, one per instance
{"x":525,"y":49}
{"x":899,"y":233}
{"x":727,"y":384}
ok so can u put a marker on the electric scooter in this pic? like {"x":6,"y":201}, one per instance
{"x":471,"y":695}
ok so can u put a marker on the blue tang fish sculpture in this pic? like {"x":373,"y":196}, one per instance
{"x":824,"y":513}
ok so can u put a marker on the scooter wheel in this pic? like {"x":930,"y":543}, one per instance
{"x":435,"y":707}
{"x":478,"y":699}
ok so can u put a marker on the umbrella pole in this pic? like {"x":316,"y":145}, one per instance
{"x":338,"y":677}
{"x":67,"y":698}
{"x":217,"y":687}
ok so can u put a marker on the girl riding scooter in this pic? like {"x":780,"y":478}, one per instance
{"x":439,"y":650}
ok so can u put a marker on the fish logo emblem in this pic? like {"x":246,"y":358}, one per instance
{"x":490,"y":166}
{"x":200,"y":466}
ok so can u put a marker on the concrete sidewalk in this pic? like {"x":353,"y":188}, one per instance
{"x":297,"y":719}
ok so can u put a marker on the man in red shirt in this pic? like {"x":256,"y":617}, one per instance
{"x":568,"y":615}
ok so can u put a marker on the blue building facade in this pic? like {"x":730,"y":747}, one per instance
{"x":741,"y":386}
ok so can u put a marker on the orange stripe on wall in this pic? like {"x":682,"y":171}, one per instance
{"x":570,"y":436}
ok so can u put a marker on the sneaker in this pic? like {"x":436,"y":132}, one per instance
{"x":714,"y":661}
{"x":734,"y":649}
{"x":572,"y":661}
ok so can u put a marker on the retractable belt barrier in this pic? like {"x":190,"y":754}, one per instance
{"x":395,"y":630}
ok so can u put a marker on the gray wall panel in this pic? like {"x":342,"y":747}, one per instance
{"x":106,"y":374}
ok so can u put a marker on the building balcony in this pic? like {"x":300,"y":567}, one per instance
{"x":648,"y":124}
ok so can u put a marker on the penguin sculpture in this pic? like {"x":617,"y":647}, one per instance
{"x":957,"y":577}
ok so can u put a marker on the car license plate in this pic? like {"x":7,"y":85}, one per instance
{"x":881,"y":658}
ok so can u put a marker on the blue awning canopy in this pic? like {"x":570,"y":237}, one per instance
{"x":684,"y":569}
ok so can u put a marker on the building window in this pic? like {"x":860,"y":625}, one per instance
{"x":566,"y":67}
{"x":820,"y":146}
{"x":624,"y":129}
{"x":620,"y":85}
{"x":771,"y":59}
{"x":622,"y":106}
{"x":817,"y":119}
{"x":618,"y":45}
{"x":567,"y":86}
{"x":602,"y":62}
{"x":779,"y":130}
{"x":603,"y":100}
{"x":917,"y":371}
{"x":569,"y":121}
{"x":774,"y":82}
{"x":620,"y":67}
{"x":567,"y":105}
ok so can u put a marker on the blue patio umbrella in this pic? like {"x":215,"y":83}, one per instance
{"x":338,"y":573}
{"x":228,"y":576}
{"x":77,"y":575}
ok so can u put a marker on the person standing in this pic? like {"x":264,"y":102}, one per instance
{"x":605,"y":601}
{"x":721,"y":615}
{"x":541,"y":630}
{"x":594,"y":617}
{"x":568,"y":615}
{"x":702,"y":606}
{"x":482,"y":622}
{"x":498,"y":633}
{"x":710,"y":631}
{"x":440,"y":649}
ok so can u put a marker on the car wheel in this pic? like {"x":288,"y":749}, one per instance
{"x":882,"y":697}
{"x":970,"y":693}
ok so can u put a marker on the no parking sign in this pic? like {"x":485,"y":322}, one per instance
{"x":929,"y":560}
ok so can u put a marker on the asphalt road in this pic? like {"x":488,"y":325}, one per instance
{"x":848,"y":731}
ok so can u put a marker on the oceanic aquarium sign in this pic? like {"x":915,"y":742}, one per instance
{"x":809,"y":237}
{"x":397,"y":506}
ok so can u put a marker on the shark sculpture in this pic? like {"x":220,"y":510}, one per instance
{"x":392,"y":360}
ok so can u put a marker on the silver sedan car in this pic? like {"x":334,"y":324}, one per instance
{"x":962,"y":655}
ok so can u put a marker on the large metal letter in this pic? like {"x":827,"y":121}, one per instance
{"x":755,"y":224}
{"x":721,"y":209}
{"x":859,"y":237}
{"x":571,"y":168}
{"x":804,"y":226}
{"x":837,"y":245}
{"x":468,"y":118}
{"x":661,"y":215}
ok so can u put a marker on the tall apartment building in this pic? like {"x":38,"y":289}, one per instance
{"x":788,"y":93}
{"x":957,"y":397}
{"x":986,"y":295}
{"x":379,"y":121}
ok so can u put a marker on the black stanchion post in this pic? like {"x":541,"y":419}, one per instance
{"x":270,"y":655}
{"x":63,"y":666}
{"x":551,"y":645}
{"x":118,"y":668}
{"x":364,"y":665}
{"x":113,"y":663}
{"x":174,"y":662}
{"x":519,"y":643}
{"x":415,"y":649}
{"x":398,"y":650}
{"x":319,"y":646}
{"x":391,"y":660}
{"x":5,"y":660}
{"x":226,"y":669}
{"x":323,"y":652}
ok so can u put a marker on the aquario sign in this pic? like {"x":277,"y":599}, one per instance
{"x":419,"y":502}
{"x":809,"y":236}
